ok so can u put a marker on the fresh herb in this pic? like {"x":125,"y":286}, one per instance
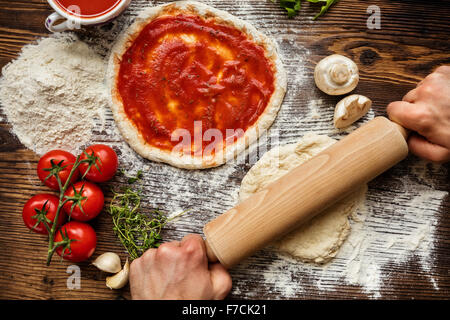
{"x":137,"y":231}
{"x":132,"y":179}
{"x":293,"y":6}
{"x":325,"y":7}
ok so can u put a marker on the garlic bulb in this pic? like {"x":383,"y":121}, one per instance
{"x":336,"y":75}
{"x":120,"y":279}
{"x":108,"y":262}
{"x":350,"y":109}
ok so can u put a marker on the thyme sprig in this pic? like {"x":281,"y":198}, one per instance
{"x":137,"y":231}
{"x":132,"y":179}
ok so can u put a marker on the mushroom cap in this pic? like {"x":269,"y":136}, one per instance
{"x":350,"y":109}
{"x":336,"y":75}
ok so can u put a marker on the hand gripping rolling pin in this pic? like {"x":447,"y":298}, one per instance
{"x":305,"y":191}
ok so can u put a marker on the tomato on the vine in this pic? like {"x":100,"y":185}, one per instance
{"x":87,"y":195}
{"x":104,"y":167}
{"x":59,"y":162}
{"x":40,"y":208}
{"x":85,"y":241}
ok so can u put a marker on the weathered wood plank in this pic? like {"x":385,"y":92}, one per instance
{"x":413,"y":41}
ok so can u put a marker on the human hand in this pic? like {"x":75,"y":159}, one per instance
{"x":426,"y":110}
{"x":178,"y":270}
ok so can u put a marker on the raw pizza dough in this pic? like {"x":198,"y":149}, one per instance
{"x":128,"y":129}
{"x":318,"y":240}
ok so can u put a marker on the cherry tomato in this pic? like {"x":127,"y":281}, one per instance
{"x":58,"y":157}
{"x":38,"y":207}
{"x":85,"y":244}
{"x":89,"y":196}
{"x":107,"y":163}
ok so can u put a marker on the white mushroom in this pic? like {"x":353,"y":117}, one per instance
{"x":336,"y":75}
{"x":350,"y":109}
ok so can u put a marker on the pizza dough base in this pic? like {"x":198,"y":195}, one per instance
{"x":319,"y":239}
{"x":128,"y":129}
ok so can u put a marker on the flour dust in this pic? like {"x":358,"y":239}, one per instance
{"x":53,"y":94}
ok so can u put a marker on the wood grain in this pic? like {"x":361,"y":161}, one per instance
{"x":412,"y":41}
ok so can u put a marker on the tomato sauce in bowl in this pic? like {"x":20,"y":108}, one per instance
{"x":87,"y":8}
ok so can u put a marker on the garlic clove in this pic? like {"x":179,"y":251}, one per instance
{"x":336,"y":75}
{"x":350,"y":109}
{"x":108,"y":262}
{"x":120,"y":279}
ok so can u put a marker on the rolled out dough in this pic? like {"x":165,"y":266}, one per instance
{"x":319,"y":239}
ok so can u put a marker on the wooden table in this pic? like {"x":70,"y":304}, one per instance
{"x":413,"y":40}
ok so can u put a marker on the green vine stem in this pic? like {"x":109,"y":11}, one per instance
{"x":52,"y":246}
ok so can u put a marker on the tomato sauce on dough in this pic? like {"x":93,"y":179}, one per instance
{"x":184,"y":70}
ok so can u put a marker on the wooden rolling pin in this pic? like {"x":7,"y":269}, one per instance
{"x":305,"y":191}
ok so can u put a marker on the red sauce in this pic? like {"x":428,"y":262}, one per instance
{"x":171,"y":76}
{"x":88,"y":8}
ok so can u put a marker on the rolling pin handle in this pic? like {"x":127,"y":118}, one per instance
{"x":210,"y":253}
{"x":405,"y":132}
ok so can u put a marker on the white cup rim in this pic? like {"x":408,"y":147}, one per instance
{"x":85,"y":21}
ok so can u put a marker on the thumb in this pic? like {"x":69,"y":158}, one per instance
{"x":221,"y":280}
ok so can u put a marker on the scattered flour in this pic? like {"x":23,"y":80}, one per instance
{"x":53,"y":93}
{"x":389,"y":232}
{"x":313,"y":109}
